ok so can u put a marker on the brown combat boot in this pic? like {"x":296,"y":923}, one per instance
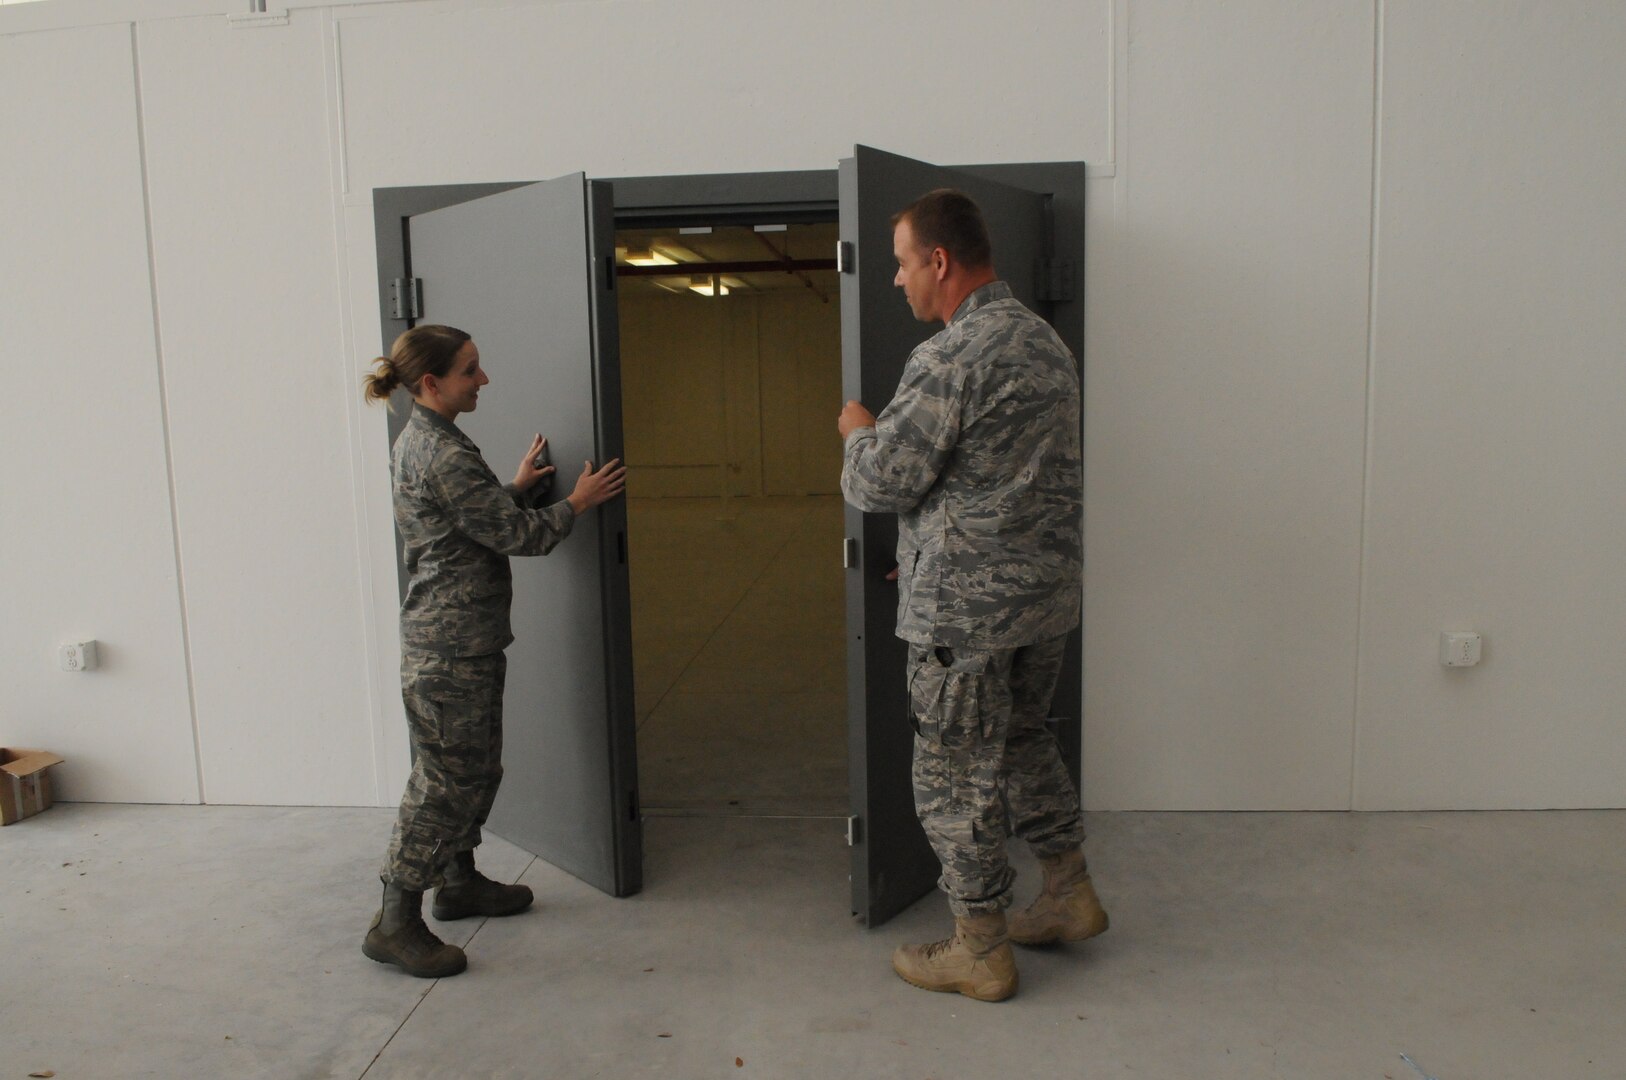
{"x":976,"y":961}
{"x":399,"y":936}
{"x":1066,"y":909}
{"x":469,"y":892}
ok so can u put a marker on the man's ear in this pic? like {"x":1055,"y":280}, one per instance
{"x":940,"y":263}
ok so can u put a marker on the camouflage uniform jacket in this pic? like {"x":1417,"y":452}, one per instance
{"x":458,"y":525}
{"x":978,"y":454}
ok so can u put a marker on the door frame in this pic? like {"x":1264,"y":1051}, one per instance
{"x":713,"y":198}
{"x":707,"y":197}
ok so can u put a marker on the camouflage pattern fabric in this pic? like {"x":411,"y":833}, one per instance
{"x":978,"y":454}
{"x":986,"y":766}
{"x":454,"y":715}
{"x":458,"y":525}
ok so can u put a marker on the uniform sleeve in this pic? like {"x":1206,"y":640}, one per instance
{"x":889,"y":468}
{"x":489,"y":513}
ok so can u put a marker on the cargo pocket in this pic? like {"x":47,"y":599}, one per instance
{"x":945,"y":695}
{"x":425,"y":681}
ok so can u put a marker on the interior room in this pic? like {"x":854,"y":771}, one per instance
{"x":1351,"y":360}
{"x":734,"y":517}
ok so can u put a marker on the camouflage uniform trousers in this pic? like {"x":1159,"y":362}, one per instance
{"x":986,"y":766}
{"x":454,"y":716}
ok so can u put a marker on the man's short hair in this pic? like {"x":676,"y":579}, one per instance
{"x":948,"y":219}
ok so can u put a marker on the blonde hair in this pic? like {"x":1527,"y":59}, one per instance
{"x":423,"y":350}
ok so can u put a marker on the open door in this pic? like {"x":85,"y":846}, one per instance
{"x":530,"y":274}
{"x":892,"y":864}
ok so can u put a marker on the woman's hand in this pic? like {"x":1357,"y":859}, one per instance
{"x":593,"y":488}
{"x":527,"y":475}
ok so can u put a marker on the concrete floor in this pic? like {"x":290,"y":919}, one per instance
{"x":739,"y":654}
{"x":224,"y":942}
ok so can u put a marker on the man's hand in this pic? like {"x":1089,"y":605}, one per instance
{"x":853,"y":417}
{"x":593,"y":488}
{"x":526,"y":476}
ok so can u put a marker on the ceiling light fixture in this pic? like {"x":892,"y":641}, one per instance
{"x":650,"y":256}
{"x":708,"y":285}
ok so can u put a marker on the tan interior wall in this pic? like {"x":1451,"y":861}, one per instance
{"x":763,"y":369}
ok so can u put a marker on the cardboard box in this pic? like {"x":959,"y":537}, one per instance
{"x":25,"y":783}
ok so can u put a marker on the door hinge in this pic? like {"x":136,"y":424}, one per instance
{"x":849,"y":553}
{"x":845,"y":263}
{"x":854,"y":832}
{"x":406,"y":298}
{"x":1053,"y":280}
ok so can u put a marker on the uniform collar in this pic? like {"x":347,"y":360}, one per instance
{"x":435,"y":420}
{"x":981,"y":295}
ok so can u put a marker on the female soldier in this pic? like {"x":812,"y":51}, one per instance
{"x":458,"y":526}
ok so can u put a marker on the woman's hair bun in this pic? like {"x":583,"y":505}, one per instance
{"x":382,"y":380}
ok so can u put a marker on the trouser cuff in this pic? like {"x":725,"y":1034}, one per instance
{"x":963,"y":908}
{"x":1049,"y":849}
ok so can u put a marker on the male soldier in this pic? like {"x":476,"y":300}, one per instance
{"x":978,"y":454}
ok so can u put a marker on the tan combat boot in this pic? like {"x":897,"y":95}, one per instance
{"x":399,"y":936}
{"x":976,"y":961}
{"x":468,"y":892}
{"x":1066,"y":909}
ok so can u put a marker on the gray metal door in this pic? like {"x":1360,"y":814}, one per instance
{"x":530,"y":274}
{"x":892,"y":865}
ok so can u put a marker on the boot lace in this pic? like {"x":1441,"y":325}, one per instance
{"x":419,"y":938}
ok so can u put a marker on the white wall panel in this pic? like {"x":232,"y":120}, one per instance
{"x":1498,"y":498}
{"x":87,"y":548}
{"x":1225,"y":406}
{"x":260,"y":388}
{"x":1237,"y":653}
{"x":655,"y":87}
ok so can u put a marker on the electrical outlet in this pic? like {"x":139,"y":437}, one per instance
{"x":77,"y":655}
{"x":1459,"y":648}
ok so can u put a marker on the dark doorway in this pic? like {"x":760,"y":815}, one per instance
{"x":730,"y":363}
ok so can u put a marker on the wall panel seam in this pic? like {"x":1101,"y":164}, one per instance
{"x":1371,"y":382}
{"x":163,"y":413}
{"x":1116,"y":12}
{"x":332,"y":29}
{"x":338,"y":188}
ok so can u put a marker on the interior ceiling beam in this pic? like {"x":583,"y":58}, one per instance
{"x":784,"y":257}
{"x":759,"y":266}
